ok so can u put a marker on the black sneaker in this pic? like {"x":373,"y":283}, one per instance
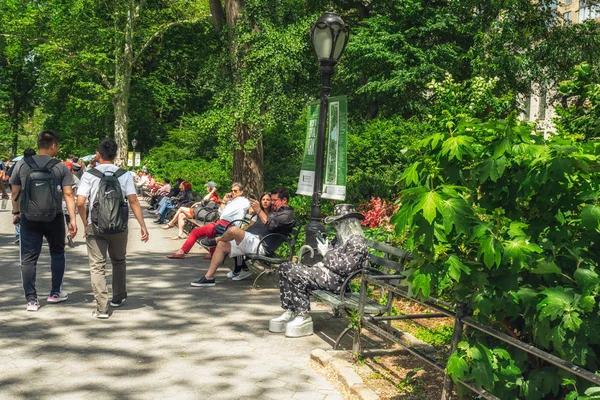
{"x":204,"y":282}
{"x":117,"y":303}
{"x":208,"y":242}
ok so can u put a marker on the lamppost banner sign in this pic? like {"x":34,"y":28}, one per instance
{"x":130,"y":159}
{"x":334,"y":181}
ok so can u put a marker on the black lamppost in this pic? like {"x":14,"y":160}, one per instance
{"x":329,"y":36}
{"x":133,"y":143}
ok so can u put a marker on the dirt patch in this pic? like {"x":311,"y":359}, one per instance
{"x":400,"y":377}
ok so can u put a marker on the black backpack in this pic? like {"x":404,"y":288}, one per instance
{"x":110,"y":212}
{"x":40,"y":194}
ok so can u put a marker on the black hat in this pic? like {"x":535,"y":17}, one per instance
{"x":343,"y":211}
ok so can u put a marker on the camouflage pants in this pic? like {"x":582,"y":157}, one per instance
{"x":296,"y":280}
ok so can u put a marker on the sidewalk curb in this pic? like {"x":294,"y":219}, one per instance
{"x":343,"y":370}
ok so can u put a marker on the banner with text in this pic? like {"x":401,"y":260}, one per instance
{"x":334,"y":186}
{"x":336,"y":166}
{"x":307,"y":172}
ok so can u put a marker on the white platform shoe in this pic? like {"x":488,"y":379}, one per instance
{"x":277,"y":325}
{"x":301,"y":325}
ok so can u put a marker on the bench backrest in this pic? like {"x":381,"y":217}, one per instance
{"x":393,"y":257}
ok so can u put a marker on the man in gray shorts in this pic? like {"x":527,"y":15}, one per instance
{"x":237,"y":242}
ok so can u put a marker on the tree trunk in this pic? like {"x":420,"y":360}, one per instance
{"x":248,"y":163}
{"x":122,"y":86}
{"x":15,"y":134}
{"x":216,"y":9}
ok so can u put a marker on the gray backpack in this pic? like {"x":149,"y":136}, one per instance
{"x":109,"y":211}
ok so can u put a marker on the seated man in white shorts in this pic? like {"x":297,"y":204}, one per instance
{"x":237,"y":242}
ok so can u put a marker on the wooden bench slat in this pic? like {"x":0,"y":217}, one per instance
{"x":386,"y":248}
{"x":350,"y":301}
{"x":385,"y":262}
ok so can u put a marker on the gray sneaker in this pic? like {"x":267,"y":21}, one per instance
{"x":100,"y":315}
{"x":117,"y":303}
{"x":242,"y":275}
{"x":300,"y":326}
{"x":277,"y":325}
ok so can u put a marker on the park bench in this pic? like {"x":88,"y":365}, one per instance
{"x":268,"y":264}
{"x":202,"y":215}
{"x":381,"y":260}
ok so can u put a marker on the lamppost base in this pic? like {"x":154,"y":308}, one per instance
{"x":312,"y":229}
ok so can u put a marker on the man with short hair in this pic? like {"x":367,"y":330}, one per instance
{"x":35,"y":228}
{"x":98,"y":243}
{"x":234,"y":206}
{"x":237,"y":242}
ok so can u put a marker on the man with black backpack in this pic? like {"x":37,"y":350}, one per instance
{"x":38,"y":184}
{"x":108,"y":189}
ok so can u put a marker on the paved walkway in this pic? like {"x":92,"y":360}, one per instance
{"x":170,"y":340}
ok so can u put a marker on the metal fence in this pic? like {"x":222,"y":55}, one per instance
{"x":381,"y":326}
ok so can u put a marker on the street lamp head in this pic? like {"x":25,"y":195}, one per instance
{"x":134,"y":143}
{"x":329,"y":36}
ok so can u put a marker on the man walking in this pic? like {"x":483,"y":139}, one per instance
{"x":108,"y":190}
{"x":38,"y":183}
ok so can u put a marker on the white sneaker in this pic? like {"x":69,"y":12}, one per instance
{"x":242,"y":275}
{"x":300,"y":326}
{"x":231,"y":274}
{"x":277,"y":325}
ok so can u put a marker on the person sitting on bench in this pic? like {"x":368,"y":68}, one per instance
{"x":233,"y":207}
{"x":237,"y":242}
{"x":296,"y":280}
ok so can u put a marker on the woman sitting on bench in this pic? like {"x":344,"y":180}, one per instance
{"x":185,"y":213}
{"x":296,"y":281}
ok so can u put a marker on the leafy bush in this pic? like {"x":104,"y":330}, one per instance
{"x":508,"y":222}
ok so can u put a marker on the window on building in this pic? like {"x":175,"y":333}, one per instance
{"x":568,"y":2}
{"x":567,"y":17}
{"x":587,"y":11}
{"x":542,"y":106}
{"x":527,"y":109}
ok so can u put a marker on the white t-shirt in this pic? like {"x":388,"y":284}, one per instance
{"x":235,"y":209}
{"x":88,"y":186}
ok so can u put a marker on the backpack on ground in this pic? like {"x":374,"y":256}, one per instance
{"x":40,"y":193}
{"x":110,"y":212}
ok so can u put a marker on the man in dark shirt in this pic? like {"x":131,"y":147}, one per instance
{"x":33,"y":232}
{"x":237,"y":242}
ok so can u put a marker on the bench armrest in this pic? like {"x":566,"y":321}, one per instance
{"x":262,"y":240}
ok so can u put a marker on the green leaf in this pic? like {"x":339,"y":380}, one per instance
{"x":571,"y":321}
{"x":553,"y":306}
{"x":519,"y":250}
{"x":593,"y":392}
{"x":429,"y":203}
{"x":527,"y":296}
{"x":482,"y":374}
{"x":422,"y":283}
{"x":516,"y":229}
{"x":455,"y":266}
{"x":492,"y":252}
{"x":457,"y":367}
{"x":586,"y":278}
{"x":456,"y":146}
{"x":546,"y":267}
{"x":482,"y":305}
{"x":590,"y":217}
{"x":411,"y":175}
{"x":502,"y":147}
{"x":587,"y":303}
{"x":492,"y":168}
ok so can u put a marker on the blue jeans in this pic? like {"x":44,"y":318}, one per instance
{"x":164,"y":209}
{"x":32,"y":236}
